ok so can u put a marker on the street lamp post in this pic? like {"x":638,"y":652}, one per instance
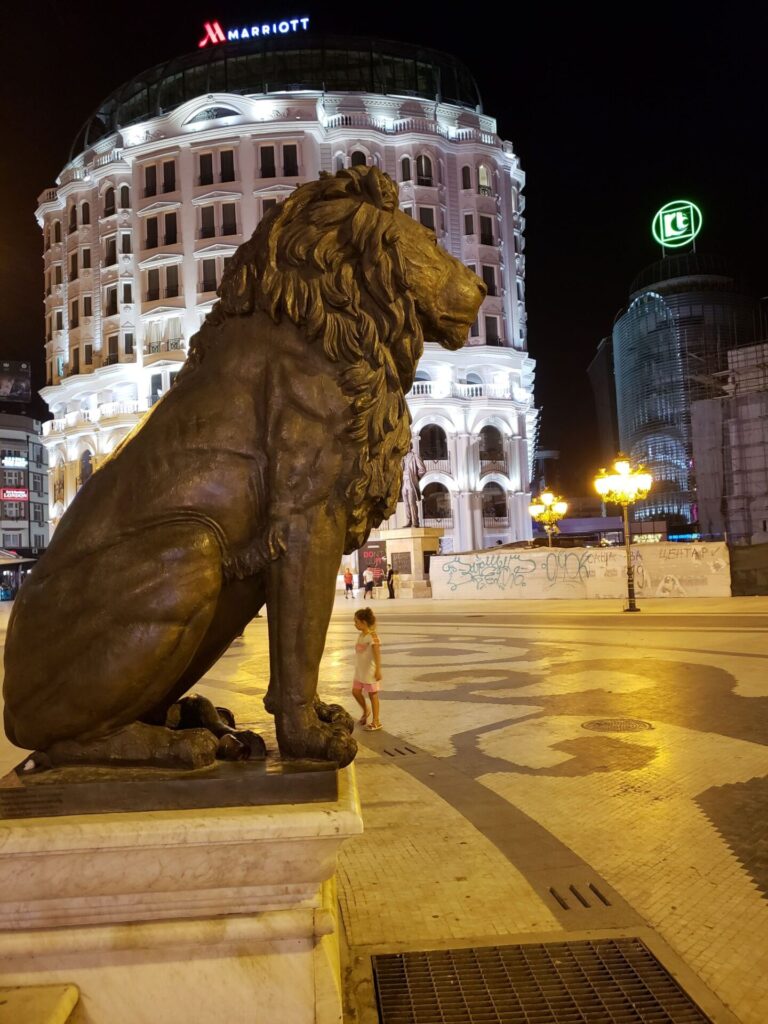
{"x":548,"y":509}
{"x":623,"y":485}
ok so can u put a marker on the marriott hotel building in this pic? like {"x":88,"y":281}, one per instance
{"x":175,"y":169}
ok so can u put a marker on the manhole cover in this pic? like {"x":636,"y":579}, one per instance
{"x":613,"y":981}
{"x":617,"y":725}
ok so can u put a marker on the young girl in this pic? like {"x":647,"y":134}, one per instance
{"x":367,"y":675}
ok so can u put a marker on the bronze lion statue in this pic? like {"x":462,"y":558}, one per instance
{"x":277,"y":450}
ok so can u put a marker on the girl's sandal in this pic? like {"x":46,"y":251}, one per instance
{"x":363,"y":720}
{"x":372,"y":728}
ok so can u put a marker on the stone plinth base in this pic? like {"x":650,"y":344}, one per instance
{"x":407,"y":552}
{"x":178,"y":916}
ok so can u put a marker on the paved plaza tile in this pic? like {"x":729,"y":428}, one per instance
{"x":485,"y":791}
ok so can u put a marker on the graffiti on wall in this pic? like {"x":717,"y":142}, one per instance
{"x":661,"y":570}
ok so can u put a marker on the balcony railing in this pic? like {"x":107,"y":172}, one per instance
{"x":170,"y":345}
{"x":446,"y":522}
{"x":488,"y":465}
{"x":437,"y":465}
{"x":484,"y":190}
{"x":453,"y":389}
{"x":495,"y":522}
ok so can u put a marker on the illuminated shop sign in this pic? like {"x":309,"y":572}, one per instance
{"x":14,"y":494}
{"x":677,"y":224}
{"x":214,"y":33}
{"x":15,"y":461}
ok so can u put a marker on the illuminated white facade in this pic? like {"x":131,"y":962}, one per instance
{"x":139,"y":227}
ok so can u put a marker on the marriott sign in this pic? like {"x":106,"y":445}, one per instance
{"x":214,"y":33}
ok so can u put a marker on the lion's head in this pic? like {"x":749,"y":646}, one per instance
{"x":340,"y":260}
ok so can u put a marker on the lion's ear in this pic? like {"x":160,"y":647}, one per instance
{"x":380,"y":189}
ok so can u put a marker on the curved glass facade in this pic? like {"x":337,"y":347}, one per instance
{"x":669,"y":344}
{"x":279,"y":64}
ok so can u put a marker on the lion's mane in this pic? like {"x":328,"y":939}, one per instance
{"x":329,"y":259}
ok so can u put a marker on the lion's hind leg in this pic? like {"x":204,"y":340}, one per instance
{"x":123,"y":623}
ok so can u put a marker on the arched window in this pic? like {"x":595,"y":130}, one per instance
{"x":491,"y":446}
{"x":494,"y":504}
{"x":358,"y":159}
{"x":339,"y":163}
{"x":474,"y":378}
{"x":484,"y":181}
{"x":466,"y":177}
{"x":85,"y":213}
{"x":125,"y":197}
{"x":405,"y":169}
{"x":86,"y":467}
{"x":433,"y":445}
{"x":57,"y":231}
{"x":109,"y":202}
{"x":73,"y":217}
{"x":422,"y":375}
{"x":437,"y":504}
{"x":423,"y":170}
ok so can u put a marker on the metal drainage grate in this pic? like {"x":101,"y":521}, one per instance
{"x":616,"y":725}
{"x":612,"y":981}
{"x":402,"y":751}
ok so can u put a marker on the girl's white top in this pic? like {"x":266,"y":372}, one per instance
{"x":365,"y":666}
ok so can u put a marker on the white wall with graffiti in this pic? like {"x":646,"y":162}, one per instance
{"x":661,"y":570}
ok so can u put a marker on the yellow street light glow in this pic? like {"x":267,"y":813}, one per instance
{"x":560,"y":507}
{"x":547,"y":509}
{"x":547,"y":497}
{"x":536,"y":509}
{"x":624,"y":486}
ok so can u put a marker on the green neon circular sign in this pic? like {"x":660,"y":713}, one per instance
{"x":677,"y":223}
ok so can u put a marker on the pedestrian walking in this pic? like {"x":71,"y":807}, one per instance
{"x":367,"y":674}
{"x":391,"y":583}
{"x":368,"y":583}
{"x":348,"y":583}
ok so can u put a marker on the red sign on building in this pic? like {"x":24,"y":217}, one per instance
{"x":14,"y":494}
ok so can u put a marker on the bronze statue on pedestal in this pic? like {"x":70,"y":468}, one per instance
{"x":278,"y":449}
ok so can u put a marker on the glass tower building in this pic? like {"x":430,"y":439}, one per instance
{"x":669,"y":343}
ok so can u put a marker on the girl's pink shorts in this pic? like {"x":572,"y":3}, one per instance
{"x":373,"y":687}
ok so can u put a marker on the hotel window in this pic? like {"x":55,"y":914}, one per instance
{"x":110,"y":251}
{"x":10,"y":540}
{"x":489,"y":279}
{"x":407,"y":210}
{"x":126,"y":248}
{"x":484,"y":181}
{"x":73,"y":217}
{"x":423,"y":170}
{"x":113,"y":348}
{"x":151,"y":237}
{"x":267,"y":204}
{"x":469,"y":224}
{"x":85,"y":214}
{"x":150,"y":180}
{"x":57,"y":231}
{"x":37,"y":513}
{"x":228,"y":219}
{"x":127,"y":293}
{"x":206,"y":169}
{"x":86,"y":259}
{"x":153,"y":285}
{"x":14,"y":478}
{"x":125,"y":197}
{"x":47,"y":282}
{"x":74,"y":319}
{"x":171,"y":282}
{"x":466,"y":177}
{"x":227,"y":165}
{"x":47,"y":239}
{"x":267,"y":157}
{"x":405,"y":169}
{"x":110,"y":307}
{"x":88,"y":354}
{"x":155,"y":387}
{"x":87,"y":305}
{"x":208,"y":283}
{"x":57,"y":274}
{"x":128,"y":343}
{"x":59,"y":320}
{"x":73,"y":267}
{"x":427,"y":217}
{"x":492,"y":330}
{"x":358,"y":159}
{"x":486,"y":231}
{"x":76,"y":360}
{"x":290,"y":161}
{"x":109,"y":202}
{"x":171,"y":229}
{"x":169,"y":176}
{"x":207,"y":222}
{"x":520,"y":295}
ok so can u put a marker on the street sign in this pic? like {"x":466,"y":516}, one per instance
{"x":677,"y":224}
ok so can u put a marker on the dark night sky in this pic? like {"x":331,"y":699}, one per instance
{"x":612,"y":110}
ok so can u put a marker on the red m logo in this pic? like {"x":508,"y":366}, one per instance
{"x":213,"y":34}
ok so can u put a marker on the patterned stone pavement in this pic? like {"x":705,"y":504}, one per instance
{"x":486,"y":791}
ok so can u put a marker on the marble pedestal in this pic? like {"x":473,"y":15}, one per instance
{"x":409,"y":545}
{"x":180,"y":916}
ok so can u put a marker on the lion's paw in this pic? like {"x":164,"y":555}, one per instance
{"x":317,"y":741}
{"x":334,"y":714}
